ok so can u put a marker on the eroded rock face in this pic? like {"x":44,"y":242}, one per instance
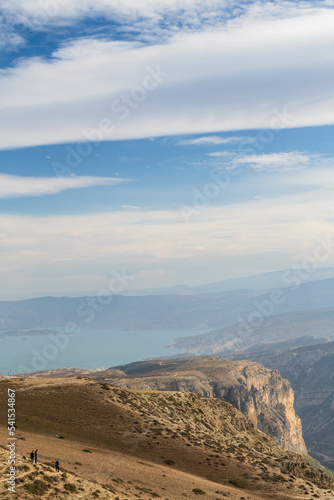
{"x":261,"y":394}
{"x":310,"y":370}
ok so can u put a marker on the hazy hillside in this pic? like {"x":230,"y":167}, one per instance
{"x":259,"y":282}
{"x":203,"y":311}
{"x":304,"y":328}
{"x":152,"y":312}
{"x":148,"y":445}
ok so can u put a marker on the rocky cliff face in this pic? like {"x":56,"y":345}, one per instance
{"x":261,"y":394}
{"x":311,"y":373}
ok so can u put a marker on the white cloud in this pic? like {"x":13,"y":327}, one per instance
{"x":292,"y":160}
{"x":12,"y":186}
{"x":47,"y":251}
{"x":44,"y":13}
{"x":241,"y":75}
{"x":283,"y":161}
{"x":222,"y":154}
{"x":213,"y":140}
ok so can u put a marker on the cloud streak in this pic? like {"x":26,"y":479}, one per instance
{"x":12,"y":186}
{"x":285,"y":161}
{"x":79,"y":86}
{"x":213,"y":140}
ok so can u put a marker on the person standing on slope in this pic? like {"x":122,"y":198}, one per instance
{"x":35,"y":455}
{"x":32,"y":457}
{"x":57,"y":465}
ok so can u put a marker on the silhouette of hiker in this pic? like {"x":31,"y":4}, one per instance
{"x":35,"y":455}
{"x":32,"y":456}
{"x":57,"y":465}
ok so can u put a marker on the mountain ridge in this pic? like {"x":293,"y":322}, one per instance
{"x":261,"y":394}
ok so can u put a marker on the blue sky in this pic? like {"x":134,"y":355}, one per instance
{"x":185,"y":142}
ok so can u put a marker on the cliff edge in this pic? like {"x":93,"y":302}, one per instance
{"x":259,"y":393}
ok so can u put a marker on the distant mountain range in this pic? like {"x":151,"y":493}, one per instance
{"x":240,"y":309}
{"x":277,"y":332}
{"x":262,"y":281}
{"x":258,"y":282}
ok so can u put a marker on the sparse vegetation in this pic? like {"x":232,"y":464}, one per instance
{"x":38,"y":487}
{"x":239,"y":483}
{"x":70,"y":487}
{"x":205,"y":437}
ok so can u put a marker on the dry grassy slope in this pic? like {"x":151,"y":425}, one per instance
{"x":122,"y":475}
{"x":261,"y":394}
{"x":207,"y":438}
{"x":42,"y":480}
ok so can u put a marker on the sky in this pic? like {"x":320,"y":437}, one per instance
{"x":174,"y":142}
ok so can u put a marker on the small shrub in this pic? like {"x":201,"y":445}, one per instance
{"x":87,"y":451}
{"x":169,"y":462}
{"x":23,"y":467}
{"x":198,"y":491}
{"x":118,"y":480}
{"x":37,"y":487}
{"x":239,"y":483}
{"x":70,"y":487}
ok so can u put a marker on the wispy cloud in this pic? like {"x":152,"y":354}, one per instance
{"x":212,"y":140}
{"x":131,"y":207}
{"x":293,"y":160}
{"x":221,"y":154}
{"x":283,"y":161}
{"x":12,"y":186}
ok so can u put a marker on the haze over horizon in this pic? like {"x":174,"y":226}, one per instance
{"x":163,"y":140}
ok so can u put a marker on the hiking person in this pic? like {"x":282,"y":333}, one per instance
{"x":57,"y":465}
{"x":35,"y":455}
{"x":32,"y":456}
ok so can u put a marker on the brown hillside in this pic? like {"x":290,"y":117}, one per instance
{"x":205,"y":438}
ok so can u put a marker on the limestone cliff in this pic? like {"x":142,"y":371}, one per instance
{"x":261,"y":394}
{"x":310,"y":370}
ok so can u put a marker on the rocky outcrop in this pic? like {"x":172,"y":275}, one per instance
{"x":310,"y":370}
{"x":261,"y":394}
